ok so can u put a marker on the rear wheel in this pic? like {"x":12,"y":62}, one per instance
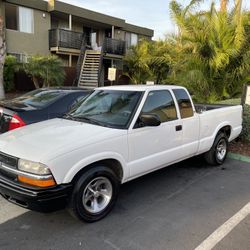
{"x":217,"y":154}
{"x":94,"y":194}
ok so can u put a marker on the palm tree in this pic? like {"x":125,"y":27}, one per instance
{"x":47,"y":70}
{"x":223,"y":5}
{"x":212,"y":42}
{"x":148,"y":61}
{"x":136,"y":67}
{"x":2,"y":56}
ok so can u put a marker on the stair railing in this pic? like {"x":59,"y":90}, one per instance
{"x":100,"y":65}
{"x":80,"y":59}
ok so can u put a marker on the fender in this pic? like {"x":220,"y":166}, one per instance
{"x":207,"y":142}
{"x":95,"y":158}
{"x":220,"y":126}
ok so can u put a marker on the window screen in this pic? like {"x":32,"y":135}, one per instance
{"x":160,"y":103}
{"x":134,"y":39}
{"x":184,"y":103}
{"x":25,"y":20}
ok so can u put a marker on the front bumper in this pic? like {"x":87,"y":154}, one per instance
{"x":41,"y":200}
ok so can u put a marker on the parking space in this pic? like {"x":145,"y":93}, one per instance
{"x":174,"y":208}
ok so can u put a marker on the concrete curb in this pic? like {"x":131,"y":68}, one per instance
{"x":238,"y":157}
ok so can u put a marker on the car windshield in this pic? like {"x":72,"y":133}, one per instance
{"x":39,"y":98}
{"x":109,"y":108}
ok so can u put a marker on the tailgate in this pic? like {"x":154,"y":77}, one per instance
{"x":5,"y":117}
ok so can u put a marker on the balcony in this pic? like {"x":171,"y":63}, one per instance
{"x":61,"y":40}
{"x":64,"y":39}
{"x":114,"y":47}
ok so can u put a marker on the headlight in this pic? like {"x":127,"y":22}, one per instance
{"x":33,"y":167}
{"x":35,"y":174}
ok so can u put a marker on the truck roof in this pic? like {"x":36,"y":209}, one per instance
{"x":140,"y":87}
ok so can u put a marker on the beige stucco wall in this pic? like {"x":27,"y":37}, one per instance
{"x":36,"y":43}
{"x":1,"y":8}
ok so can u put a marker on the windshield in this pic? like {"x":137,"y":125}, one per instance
{"x":107,"y":108}
{"x":38,"y":98}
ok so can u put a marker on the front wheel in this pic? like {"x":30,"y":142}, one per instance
{"x":217,"y":154}
{"x":94,"y":194}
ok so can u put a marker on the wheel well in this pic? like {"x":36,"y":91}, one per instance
{"x":226,"y":130}
{"x":111,"y":163}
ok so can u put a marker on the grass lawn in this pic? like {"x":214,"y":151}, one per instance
{"x":231,"y":101}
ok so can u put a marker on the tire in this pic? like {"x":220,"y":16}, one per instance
{"x":94,"y":194}
{"x":218,"y":152}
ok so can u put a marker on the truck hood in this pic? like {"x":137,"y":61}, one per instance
{"x":49,"y":139}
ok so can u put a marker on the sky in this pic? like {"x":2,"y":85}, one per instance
{"x":153,"y":14}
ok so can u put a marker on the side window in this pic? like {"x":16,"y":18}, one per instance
{"x":184,"y":103}
{"x":162,"y":104}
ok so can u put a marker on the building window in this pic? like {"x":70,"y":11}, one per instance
{"x":25,"y":20}
{"x":19,"y":18}
{"x":11,"y":17}
{"x":134,"y":39}
{"x":131,"y":39}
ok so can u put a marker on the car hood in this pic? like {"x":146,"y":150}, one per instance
{"x":49,"y":139}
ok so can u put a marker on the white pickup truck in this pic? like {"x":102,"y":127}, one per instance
{"x":117,"y":134}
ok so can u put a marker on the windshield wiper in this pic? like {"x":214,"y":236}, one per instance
{"x":84,"y":119}
{"x":87,"y":119}
{"x":68,"y":117}
{"x":91,"y":121}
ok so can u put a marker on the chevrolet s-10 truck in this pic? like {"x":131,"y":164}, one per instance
{"x":115,"y":135}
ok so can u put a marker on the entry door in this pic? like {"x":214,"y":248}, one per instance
{"x":154,"y":147}
{"x":94,"y":39}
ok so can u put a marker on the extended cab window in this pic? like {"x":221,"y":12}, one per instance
{"x":184,"y":103}
{"x":161,"y":103}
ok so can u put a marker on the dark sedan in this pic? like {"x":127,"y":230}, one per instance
{"x":38,"y":105}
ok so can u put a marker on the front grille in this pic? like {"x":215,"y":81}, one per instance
{"x":10,"y":161}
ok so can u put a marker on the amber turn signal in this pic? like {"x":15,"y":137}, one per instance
{"x":37,"y":183}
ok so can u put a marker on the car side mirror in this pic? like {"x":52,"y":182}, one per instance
{"x":150,"y":120}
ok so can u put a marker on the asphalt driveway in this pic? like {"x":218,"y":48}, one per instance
{"x":175,"y":208}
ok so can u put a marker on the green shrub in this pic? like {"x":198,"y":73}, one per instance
{"x":245,"y":134}
{"x":47,"y":70}
{"x":10,"y":66}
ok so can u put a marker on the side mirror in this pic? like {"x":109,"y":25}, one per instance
{"x":150,"y":120}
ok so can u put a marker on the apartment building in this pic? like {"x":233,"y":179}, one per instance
{"x":89,"y":41}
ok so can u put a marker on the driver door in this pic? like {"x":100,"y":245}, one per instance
{"x":155,"y":147}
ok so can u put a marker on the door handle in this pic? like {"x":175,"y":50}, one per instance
{"x":178,"y":128}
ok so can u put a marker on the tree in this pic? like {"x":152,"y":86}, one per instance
{"x":10,"y":67}
{"x":136,"y":67}
{"x":159,"y":61}
{"x":148,"y":61}
{"x":2,"y":56}
{"x":45,"y":71}
{"x":214,"y":45}
{"x":223,"y":5}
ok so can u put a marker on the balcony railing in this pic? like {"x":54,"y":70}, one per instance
{"x":73,"y":40}
{"x":65,"y":38}
{"x":113,"y":46}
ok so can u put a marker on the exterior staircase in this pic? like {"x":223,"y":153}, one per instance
{"x":90,"y":69}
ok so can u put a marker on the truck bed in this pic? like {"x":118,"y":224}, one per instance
{"x":200,"y":108}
